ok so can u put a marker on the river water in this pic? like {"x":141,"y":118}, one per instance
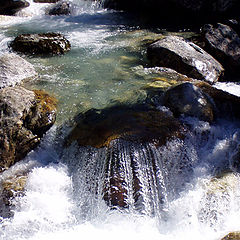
{"x":180,"y":196}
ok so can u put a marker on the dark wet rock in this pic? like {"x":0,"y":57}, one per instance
{"x":62,"y":8}
{"x":97,"y":128}
{"x":25,"y":116}
{"x":226,"y":103}
{"x":44,"y":43}
{"x":10,"y":7}
{"x":14,"y":69}
{"x":185,"y":57}
{"x":46,"y":1}
{"x":224,"y":44}
{"x":189,"y":100}
{"x":232,"y":236}
{"x":11,"y":188}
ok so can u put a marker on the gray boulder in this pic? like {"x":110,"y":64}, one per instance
{"x":24,"y":117}
{"x":224,"y":44}
{"x":189,"y":100}
{"x":44,"y":43}
{"x":10,"y":7}
{"x":185,"y":57}
{"x":14,"y":69}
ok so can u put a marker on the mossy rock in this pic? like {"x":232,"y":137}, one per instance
{"x":97,"y":128}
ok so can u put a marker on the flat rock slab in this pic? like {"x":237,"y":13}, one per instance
{"x":14,"y":69}
{"x":185,"y":57}
{"x":44,"y":43}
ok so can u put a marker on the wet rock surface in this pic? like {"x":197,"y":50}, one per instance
{"x":25,"y":116}
{"x":186,"y":58}
{"x":10,"y":7}
{"x":11,"y":188}
{"x":224,"y":44}
{"x":62,"y":8}
{"x":225,"y":102}
{"x":97,"y":128}
{"x":44,"y":43}
{"x":189,"y":100}
{"x":14,"y":69}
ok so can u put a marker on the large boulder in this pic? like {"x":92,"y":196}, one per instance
{"x":185,"y":57}
{"x":44,"y":43}
{"x":189,"y":100}
{"x":224,"y":44}
{"x":25,"y":116}
{"x":14,"y":69}
{"x":226,"y":103}
{"x":97,"y":128}
{"x":10,"y":7}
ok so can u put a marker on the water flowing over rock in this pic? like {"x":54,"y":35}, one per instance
{"x":44,"y":43}
{"x":137,"y":124}
{"x":25,"y":116}
{"x":186,"y":58}
{"x":189,"y":100}
{"x":62,"y":8}
{"x":14,"y":69}
{"x":10,"y":7}
{"x":224,"y":44}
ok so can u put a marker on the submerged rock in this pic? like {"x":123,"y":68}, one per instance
{"x":185,"y":57}
{"x":25,"y":116}
{"x":97,"y":128}
{"x":189,"y":100}
{"x":10,"y":7}
{"x":43,"y":43}
{"x":14,"y":69}
{"x":62,"y":8}
{"x":232,"y":236}
{"x":224,"y":44}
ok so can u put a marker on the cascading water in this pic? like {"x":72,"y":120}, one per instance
{"x":170,"y":192}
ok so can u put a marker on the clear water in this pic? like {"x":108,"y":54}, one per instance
{"x":179,"y":198}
